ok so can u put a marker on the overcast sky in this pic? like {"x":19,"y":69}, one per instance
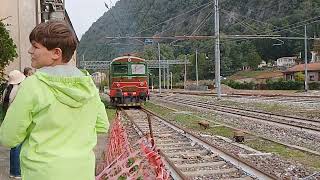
{"x":85,"y":12}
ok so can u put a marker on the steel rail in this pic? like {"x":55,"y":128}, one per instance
{"x":177,"y":174}
{"x":246,"y":166}
{"x":243,"y":112}
{"x":244,"y":94}
{"x":264,"y":113}
{"x":262,"y":137}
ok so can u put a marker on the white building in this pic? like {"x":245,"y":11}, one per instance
{"x":22,"y":16}
{"x":262,"y":64}
{"x":286,"y":61}
{"x":315,"y":57}
{"x":98,"y":77}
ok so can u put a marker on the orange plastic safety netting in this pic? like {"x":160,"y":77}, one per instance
{"x":122,"y":161}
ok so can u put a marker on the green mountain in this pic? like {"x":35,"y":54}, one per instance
{"x":146,"y":18}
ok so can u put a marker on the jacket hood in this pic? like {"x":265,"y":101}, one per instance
{"x":72,"y":89}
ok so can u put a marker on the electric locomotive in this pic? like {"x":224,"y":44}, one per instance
{"x":128,"y":81}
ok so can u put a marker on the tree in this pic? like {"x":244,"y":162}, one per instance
{"x":299,"y":76}
{"x":7,"y":49}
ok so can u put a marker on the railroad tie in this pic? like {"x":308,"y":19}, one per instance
{"x":240,"y":178}
{"x":188,"y":155}
{"x":210,"y":172}
{"x":164,"y":145}
{"x":180,"y":147}
{"x":199,"y":165}
{"x":211,"y":158}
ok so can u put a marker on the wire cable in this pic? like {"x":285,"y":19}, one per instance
{"x":186,"y":19}
{"x":295,"y":27}
{"x":115,"y":20}
{"x":204,"y":21}
{"x":269,"y":24}
{"x":170,"y":19}
{"x":145,"y":15}
{"x":242,"y":23}
{"x":294,"y":24}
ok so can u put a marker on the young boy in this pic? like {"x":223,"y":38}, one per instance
{"x":57,"y":112}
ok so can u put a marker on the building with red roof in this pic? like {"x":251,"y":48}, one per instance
{"x":313,"y":71}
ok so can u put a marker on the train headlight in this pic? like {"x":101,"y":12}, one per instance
{"x":117,"y":84}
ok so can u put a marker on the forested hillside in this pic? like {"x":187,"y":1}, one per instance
{"x":195,"y":17}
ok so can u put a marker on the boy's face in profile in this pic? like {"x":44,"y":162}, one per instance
{"x":41,"y":56}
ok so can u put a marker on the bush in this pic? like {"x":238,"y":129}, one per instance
{"x":238,"y":85}
{"x":272,"y":85}
{"x":314,"y":86}
{"x":285,"y":85}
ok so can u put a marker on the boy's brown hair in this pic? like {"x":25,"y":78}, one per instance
{"x":55,"y":34}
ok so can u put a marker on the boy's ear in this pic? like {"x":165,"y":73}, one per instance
{"x":57,"y":54}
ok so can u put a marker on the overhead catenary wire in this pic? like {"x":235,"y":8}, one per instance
{"x":242,"y":23}
{"x":166,"y":21}
{"x":204,"y":21}
{"x":295,"y":27}
{"x":186,"y":19}
{"x":170,"y":19}
{"x":246,"y":25}
{"x":115,"y":20}
{"x":302,"y":23}
{"x":141,"y":6}
{"x":147,"y":12}
{"x":213,"y":37}
{"x":258,"y":21}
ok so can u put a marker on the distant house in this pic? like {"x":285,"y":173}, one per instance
{"x":315,"y":56}
{"x":286,"y":62}
{"x":315,"y":53}
{"x":313,"y":71}
{"x":262,"y":64}
{"x":98,"y":77}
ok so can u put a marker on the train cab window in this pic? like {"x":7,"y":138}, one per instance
{"x":120,"y":69}
{"x":138,"y":69}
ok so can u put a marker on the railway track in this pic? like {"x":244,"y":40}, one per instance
{"x":276,"y":98}
{"x":281,"y":99}
{"x":189,"y":156}
{"x":309,"y":125}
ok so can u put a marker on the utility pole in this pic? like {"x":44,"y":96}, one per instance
{"x":305,"y":60}
{"x":164,"y":76}
{"x":159,"y":69}
{"x":83,"y":60}
{"x":185,"y":72}
{"x":197,"y":77}
{"x":168,"y":76}
{"x":64,"y":9}
{"x":171,"y":79}
{"x":152,"y":83}
{"x":217,"y":49}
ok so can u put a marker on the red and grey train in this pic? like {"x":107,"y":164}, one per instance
{"x":128,"y":80}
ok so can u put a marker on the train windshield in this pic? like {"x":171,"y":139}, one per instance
{"x":138,"y":69}
{"x":120,"y":69}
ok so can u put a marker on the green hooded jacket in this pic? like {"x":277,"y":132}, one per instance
{"x":57,"y":118}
